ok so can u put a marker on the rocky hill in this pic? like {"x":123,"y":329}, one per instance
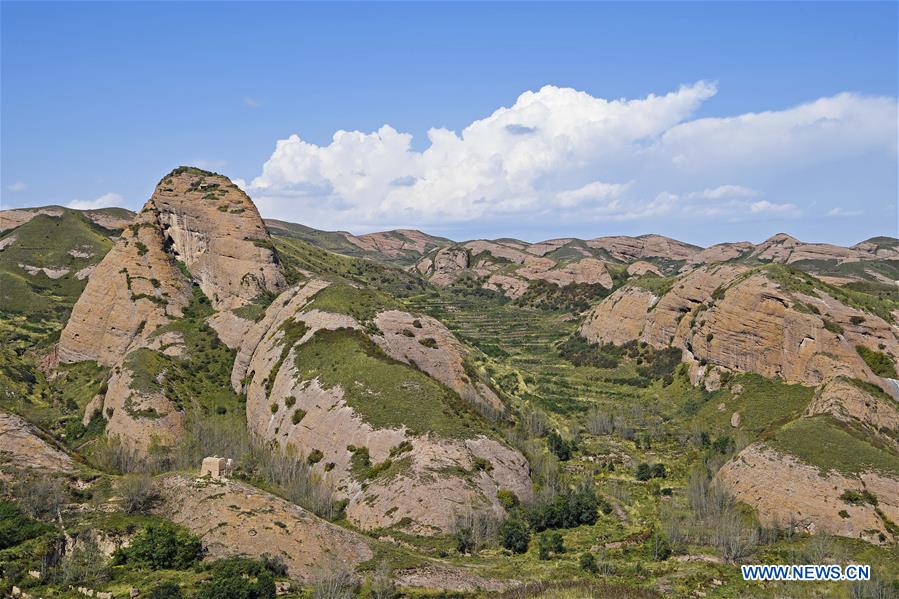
{"x":408,"y":413}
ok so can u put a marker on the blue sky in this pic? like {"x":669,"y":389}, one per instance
{"x":703,"y":121}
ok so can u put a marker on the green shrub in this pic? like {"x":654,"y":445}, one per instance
{"x":568,"y":509}
{"x":163,"y":546}
{"x":238,"y":578}
{"x":137,"y":493}
{"x":289,"y":401}
{"x":315,"y":456}
{"x":646,"y":472}
{"x":16,"y":527}
{"x":549,"y":543}
{"x":514,"y":535}
{"x":588,"y":563}
{"x":298,"y":415}
{"x":507,"y":498}
{"x":833,"y":327}
{"x":166,"y":590}
{"x":880,"y":363}
{"x":482,"y":464}
{"x":559,"y":446}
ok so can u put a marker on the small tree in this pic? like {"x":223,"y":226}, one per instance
{"x":161,"y":546}
{"x":137,"y":493}
{"x":514,"y":535}
{"x":588,"y":563}
{"x":549,"y":543}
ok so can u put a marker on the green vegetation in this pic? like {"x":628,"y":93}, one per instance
{"x":824,"y":443}
{"x":161,"y":546}
{"x":16,"y":527}
{"x":392,"y":394}
{"x":880,"y":363}
{"x":572,"y":298}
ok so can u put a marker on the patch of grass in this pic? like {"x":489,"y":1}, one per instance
{"x":657,"y":285}
{"x":385,"y":392}
{"x":361,"y":304}
{"x":880,"y":363}
{"x":823,"y":442}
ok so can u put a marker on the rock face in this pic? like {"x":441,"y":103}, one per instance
{"x":745,"y":320}
{"x":205,"y":223}
{"x":22,"y":448}
{"x":629,"y":249}
{"x":508,"y":266}
{"x":135,"y":289}
{"x":213,"y":227}
{"x":785,"y":249}
{"x":849,"y":402}
{"x":396,"y":243}
{"x":788,"y":492}
{"x":435,"y":478}
{"x":232,"y":518}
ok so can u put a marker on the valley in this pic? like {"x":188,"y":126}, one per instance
{"x":419,"y":417}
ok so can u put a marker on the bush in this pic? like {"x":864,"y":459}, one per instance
{"x":879,"y":363}
{"x":315,"y":456}
{"x":507,"y":498}
{"x":645,"y":471}
{"x":588,"y":563}
{"x":559,"y":446}
{"x":549,"y":543}
{"x":565,"y":510}
{"x":16,"y":527}
{"x":166,"y":590}
{"x":41,"y":497}
{"x":514,"y":535}
{"x":163,"y":546}
{"x":84,"y":565}
{"x":137,"y":493}
{"x":238,"y":578}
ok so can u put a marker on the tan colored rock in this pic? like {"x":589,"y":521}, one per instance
{"x":396,"y":243}
{"x":735,"y":420}
{"x":232,"y":518}
{"x":21,"y":447}
{"x":640,"y":268}
{"x":139,"y":418}
{"x":752,"y":325}
{"x":629,"y":249}
{"x":10,"y":219}
{"x":786,"y":491}
{"x":786,"y":250}
{"x":721,"y":252}
{"x":402,"y":340}
{"x":848,"y":402}
{"x":214,"y":228}
{"x":440,"y":479}
{"x":7,"y":241}
{"x":136,"y":288}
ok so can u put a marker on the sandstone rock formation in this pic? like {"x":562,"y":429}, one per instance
{"x":747,"y":321}
{"x":232,"y":518}
{"x":436,"y":478}
{"x":21,"y":447}
{"x":850,"y":402}
{"x":211,"y":226}
{"x":629,"y":249}
{"x":790,"y":493}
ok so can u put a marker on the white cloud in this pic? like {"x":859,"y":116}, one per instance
{"x":563,"y":153}
{"x":843,"y":212}
{"x":106,"y":200}
{"x":251,"y":102}
{"x":17,"y":186}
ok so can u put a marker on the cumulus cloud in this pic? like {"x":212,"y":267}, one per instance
{"x":107,"y":200}
{"x":17,"y":186}
{"x":563,"y":153}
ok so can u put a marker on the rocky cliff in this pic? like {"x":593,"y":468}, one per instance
{"x":765,"y":320}
{"x":403,"y":448}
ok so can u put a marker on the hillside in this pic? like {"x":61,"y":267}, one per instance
{"x":406,"y":415}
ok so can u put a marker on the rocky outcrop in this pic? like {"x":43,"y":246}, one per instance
{"x":508,"y":266}
{"x":211,"y":226}
{"x":434,"y":478}
{"x":112,"y":219}
{"x":721,"y":252}
{"x":640,"y":268}
{"x":396,"y":243}
{"x":745,"y":320}
{"x":136,"y":288}
{"x":629,"y":249}
{"x":232,"y":518}
{"x":855,"y":404}
{"x":787,"y":492}
{"x":21,"y":447}
{"x":784,"y":249}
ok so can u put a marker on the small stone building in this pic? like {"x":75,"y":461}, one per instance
{"x":216,"y":467}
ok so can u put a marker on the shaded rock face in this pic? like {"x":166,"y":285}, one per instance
{"x":440,"y":477}
{"x":22,"y":448}
{"x":785,"y":249}
{"x":788,"y":492}
{"x":746,"y":322}
{"x":214,"y":228}
{"x":848,"y":402}
{"x":508,"y":266}
{"x":136,"y":288}
{"x":629,"y":249}
{"x":232,"y":518}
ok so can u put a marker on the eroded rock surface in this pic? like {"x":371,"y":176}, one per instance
{"x":21,"y":447}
